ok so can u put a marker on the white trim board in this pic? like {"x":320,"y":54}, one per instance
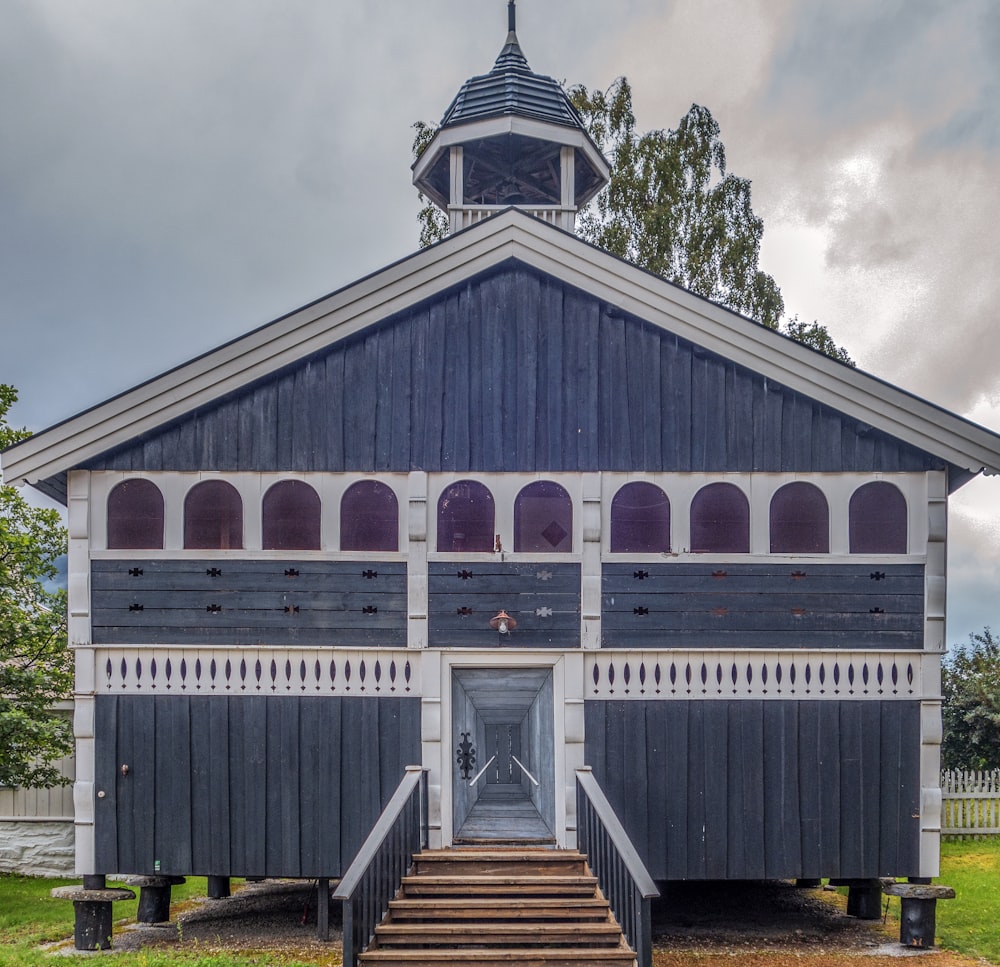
{"x":512,"y":234}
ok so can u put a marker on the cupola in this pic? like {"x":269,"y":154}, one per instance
{"x":511,"y":138}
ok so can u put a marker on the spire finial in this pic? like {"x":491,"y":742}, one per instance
{"x":512,"y":16}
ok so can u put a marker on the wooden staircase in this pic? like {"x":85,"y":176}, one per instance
{"x":535,"y":908}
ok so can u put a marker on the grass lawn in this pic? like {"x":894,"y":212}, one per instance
{"x":30,"y":917}
{"x":969,"y":923}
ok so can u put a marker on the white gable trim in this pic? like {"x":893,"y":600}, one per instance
{"x":511,"y":234}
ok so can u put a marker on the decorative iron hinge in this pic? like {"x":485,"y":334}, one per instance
{"x":135,"y":607}
{"x":877,"y":575}
{"x":466,"y":575}
{"x":640,"y":575}
{"x":135,"y":572}
{"x":369,"y":575}
{"x":213,"y":572}
{"x":640,"y":611}
{"x":214,"y":609}
{"x":369,"y":609}
{"x":291,"y":572}
{"x":466,"y":756}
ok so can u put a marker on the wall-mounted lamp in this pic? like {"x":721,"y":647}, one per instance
{"x":503,"y":623}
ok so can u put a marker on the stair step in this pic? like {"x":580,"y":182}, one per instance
{"x":523,"y":956}
{"x":499,"y":862}
{"x":575,"y":909}
{"x":498,"y":934}
{"x":499,"y":886}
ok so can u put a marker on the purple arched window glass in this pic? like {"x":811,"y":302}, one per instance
{"x":878,"y":519}
{"x":466,"y":518}
{"x":291,"y":517}
{"x":640,"y":520}
{"x":135,"y":516}
{"x":720,"y":520}
{"x":213,"y":517}
{"x":543,"y":519}
{"x":369,"y":518}
{"x":800,"y":520}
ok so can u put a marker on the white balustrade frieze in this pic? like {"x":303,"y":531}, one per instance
{"x":145,"y":670}
{"x":753,"y":674}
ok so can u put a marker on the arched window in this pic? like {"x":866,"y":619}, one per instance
{"x":213,"y":517}
{"x":466,"y":518}
{"x":800,"y":520}
{"x":369,"y":518}
{"x":878,"y":519}
{"x":291,"y":517}
{"x":640,"y":520}
{"x":720,"y":520}
{"x":135,"y":516}
{"x":543,"y":519}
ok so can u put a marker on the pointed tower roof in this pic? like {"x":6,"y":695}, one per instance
{"x":511,"y":138}
{"x":512,"y":88}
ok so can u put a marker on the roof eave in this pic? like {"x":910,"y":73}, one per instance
{"x":512,"y":234}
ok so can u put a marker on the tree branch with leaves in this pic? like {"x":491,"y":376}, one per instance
{"x":36,"y":666}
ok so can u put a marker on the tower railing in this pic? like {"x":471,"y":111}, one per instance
{"x":464,"y":216}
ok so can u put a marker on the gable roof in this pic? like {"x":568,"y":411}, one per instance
{"x":44,"y":458}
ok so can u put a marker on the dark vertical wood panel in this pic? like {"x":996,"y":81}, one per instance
{"x":401,"y":398}
{"x":616,"y":735}
{"x":639,"y":783}
{"x":716,"y":731}
{"x":872,"y":771}
{"x":285,"y":421}
{"x":106,"y":808}
{"x":754,"y":806}
{"x":851,"y":778}
{"x":736,"y":858}
{"x":459,"y":311}
{"x":676,"y":791}
{"x":891,"y":790}
{"x":699,"y":411}
{"x":250,"y":764}
{"x":492,"y":376}
{"x":386,"y":385}
{"x":552,"y":327}
{"x":812,"y":779}
{"x":525,"y":384}
{"x":656,"y":770}
{"x":171,"y":818}
{"x":908,"y":837}
{"x":717,"y":425}
{"x":830,"y":764}
{"x":697,"y":769}
{"x":282,"y":783}
{"x":583,"y":385}
{"x":332,"y":412}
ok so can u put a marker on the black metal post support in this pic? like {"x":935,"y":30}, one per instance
{"x":918,"y":910}
{"x":917,"y":922}
{"x":864,"y":900}
{"x":323,"y":909}
{"x":92,"y":912}
{"x":218,"y":887}
{"x":154,"y":897}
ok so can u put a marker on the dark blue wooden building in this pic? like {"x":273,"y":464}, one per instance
{"x":720,"y":554}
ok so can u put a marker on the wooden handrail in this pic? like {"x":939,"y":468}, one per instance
{"x":623,"y":877}
{"x":388,"y":850}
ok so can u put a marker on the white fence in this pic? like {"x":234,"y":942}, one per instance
{"x":970,"y":803}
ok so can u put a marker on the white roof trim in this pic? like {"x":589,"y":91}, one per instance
{"x":511,"y":234}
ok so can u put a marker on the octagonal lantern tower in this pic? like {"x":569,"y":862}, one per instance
{"x":511,"y":138}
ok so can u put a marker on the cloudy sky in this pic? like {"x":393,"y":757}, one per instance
{"x":174,"y":173}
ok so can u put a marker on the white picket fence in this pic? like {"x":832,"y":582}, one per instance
{"x":970,"y":803}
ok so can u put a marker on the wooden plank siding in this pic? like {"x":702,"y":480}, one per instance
{"x":230,"y":602}
{"x":762,"y":789}
{"x":805,"y":605}
{"x":249,"y":786}
{"x":516,"y":371}
{"x":544,"y":599}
